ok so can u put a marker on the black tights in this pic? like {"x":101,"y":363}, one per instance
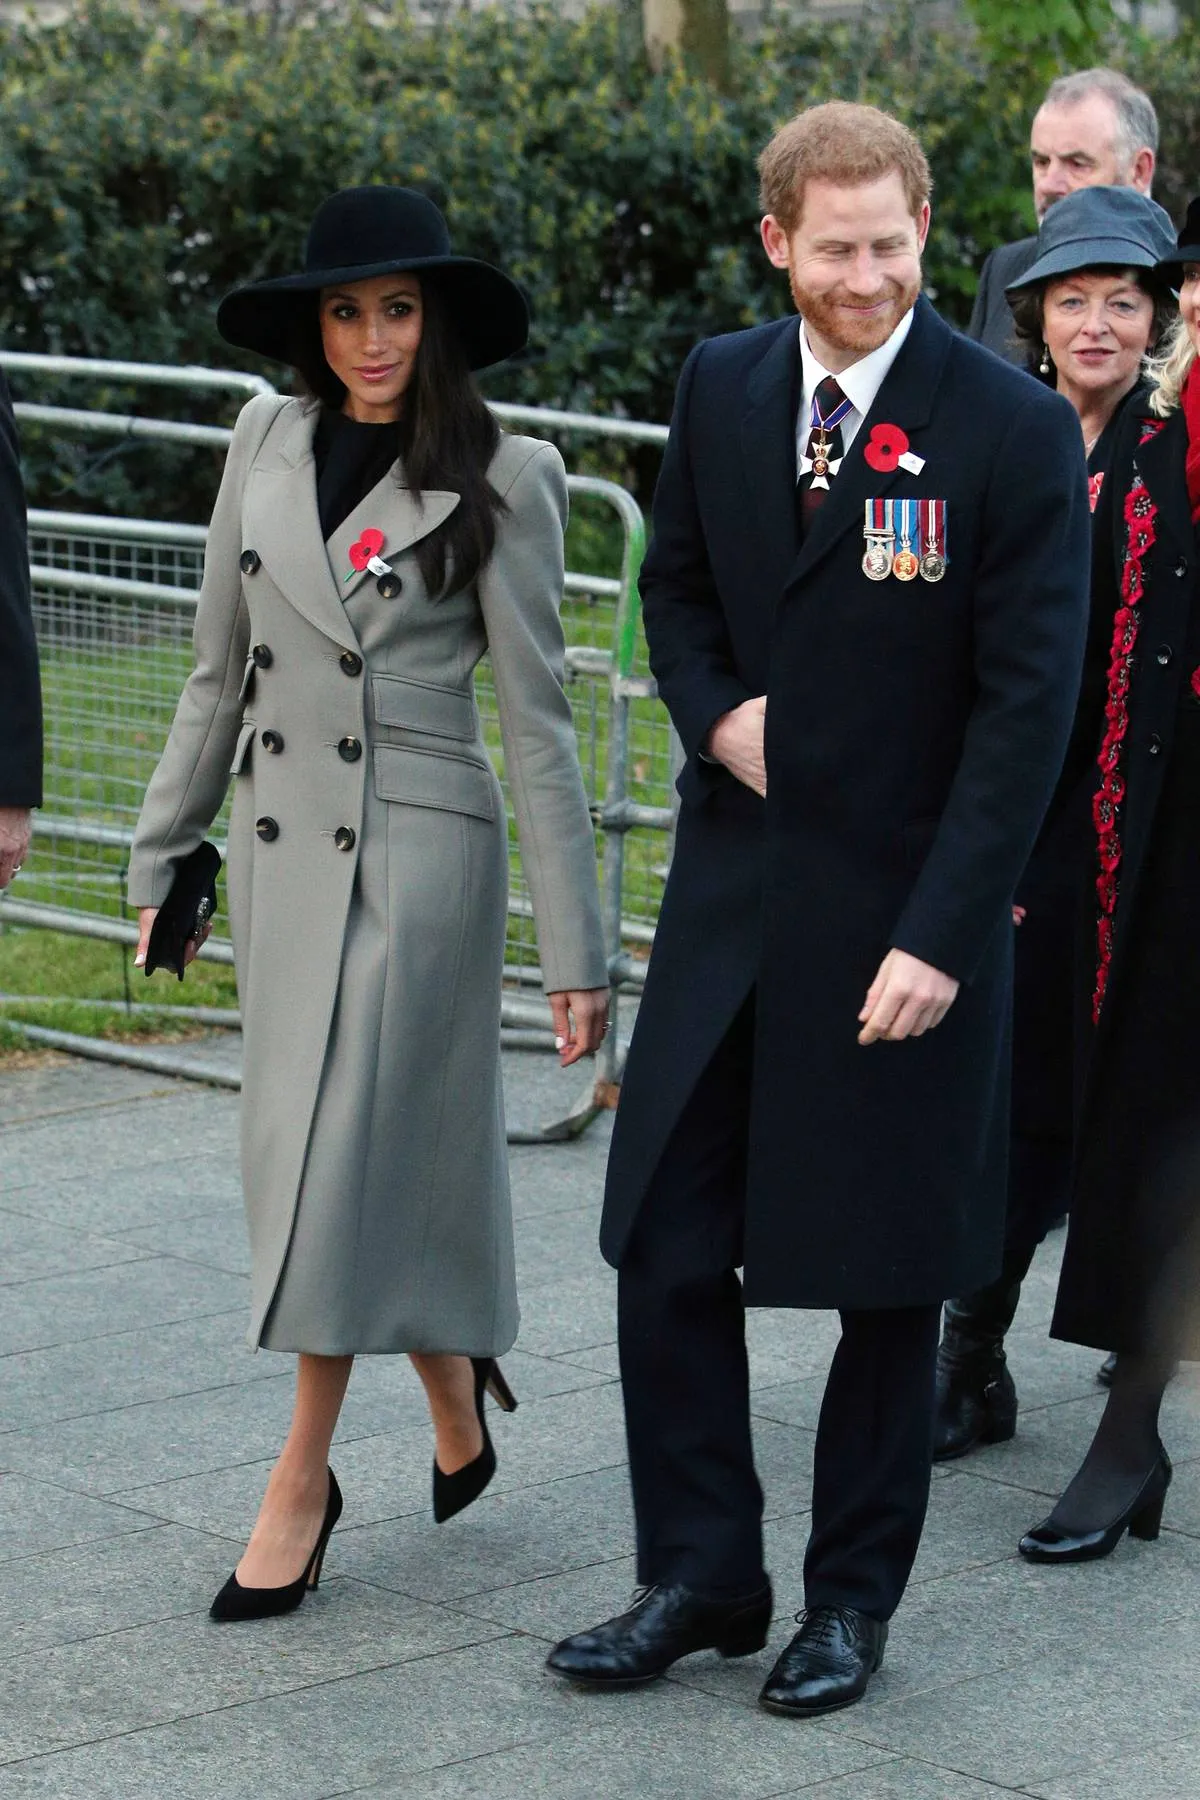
{"x":1124,"y":1449}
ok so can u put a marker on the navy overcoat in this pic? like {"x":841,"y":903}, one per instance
{"x":914,"y":735}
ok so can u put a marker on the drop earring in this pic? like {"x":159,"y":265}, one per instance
{"x":1044,"y":365}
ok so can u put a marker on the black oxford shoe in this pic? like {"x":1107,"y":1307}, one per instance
{"x":663,"y":1624}
{"x":827,"y":1664}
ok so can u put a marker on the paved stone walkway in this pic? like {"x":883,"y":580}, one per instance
{"x":136,"y":1430}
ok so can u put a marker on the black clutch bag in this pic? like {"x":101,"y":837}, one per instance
{"x":186,"y":910}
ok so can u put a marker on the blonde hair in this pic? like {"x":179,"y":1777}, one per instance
{"x":1168,"y":370}
{"x":841,"y":142}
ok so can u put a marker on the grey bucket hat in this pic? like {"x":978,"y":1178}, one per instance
{"x":1099,"y":227}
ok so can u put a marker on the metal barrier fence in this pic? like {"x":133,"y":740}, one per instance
{"x":114,"y":601}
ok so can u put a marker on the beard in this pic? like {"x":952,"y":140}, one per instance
{"x":827,"y":314}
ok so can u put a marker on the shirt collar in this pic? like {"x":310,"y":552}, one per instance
{"x":862,"y":380}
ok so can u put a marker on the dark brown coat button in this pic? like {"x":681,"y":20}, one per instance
{"x":351,"y":663}
{"x":389,"y":587}
{"x":349,"y":749}
{"x":267,"y":830}
{"x":345,"y":837}
{"x":251,"y":562}
{"x":263,"y":655}
{"x":272,"y":741}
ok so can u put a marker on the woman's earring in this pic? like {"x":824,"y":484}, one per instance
{"x":1044,"y":365}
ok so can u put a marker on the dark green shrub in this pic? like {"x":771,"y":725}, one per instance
{"x":151,"y":158}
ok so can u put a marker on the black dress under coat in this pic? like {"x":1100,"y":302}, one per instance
{"x":20,"y":691}
{"x":1129,"y":1272}
{"x":914,"y":735}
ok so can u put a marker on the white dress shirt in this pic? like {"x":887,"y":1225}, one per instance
{"x":860,"y":383}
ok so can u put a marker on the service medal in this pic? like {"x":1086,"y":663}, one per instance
{"x":877,"y":559}
{"x":932,"y":522}
{"x":877,"y":529}
{"x":905,"y":564}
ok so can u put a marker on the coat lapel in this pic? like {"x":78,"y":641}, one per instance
{"x":283,"y":525}
{"x":906,"y":399}
{"x":396,"y":512}
{"x":769,"y":451}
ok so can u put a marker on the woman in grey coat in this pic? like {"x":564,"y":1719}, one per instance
{"x":368,"y":546}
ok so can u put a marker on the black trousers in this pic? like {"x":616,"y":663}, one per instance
{"x":697,"y":1499}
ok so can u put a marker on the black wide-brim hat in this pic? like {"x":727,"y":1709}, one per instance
{"x":1187,"y":248}
{"x":1098,"y":227}
{"x":360,"y":232}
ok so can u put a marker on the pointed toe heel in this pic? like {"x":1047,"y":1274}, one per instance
{"x":236,"y":1603}
{"x":495,"y":1384}
{"x":452,"y":1494}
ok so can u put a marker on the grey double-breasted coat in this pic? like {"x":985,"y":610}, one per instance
{"x":367,"y":881}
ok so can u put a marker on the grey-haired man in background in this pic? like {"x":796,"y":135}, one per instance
{"x":1093,"y":129}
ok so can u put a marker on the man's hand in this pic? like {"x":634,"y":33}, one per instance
{"x":16,"y":827}
{"x":906,"y":998}
{"x":737,"y":741}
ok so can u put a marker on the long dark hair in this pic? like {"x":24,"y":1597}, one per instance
{"x":445,"y":437}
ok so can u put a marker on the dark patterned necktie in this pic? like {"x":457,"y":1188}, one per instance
{"x":824,"y":449}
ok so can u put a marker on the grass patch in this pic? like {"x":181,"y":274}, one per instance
{"x":57,"y":973}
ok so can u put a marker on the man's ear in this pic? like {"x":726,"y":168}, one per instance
{"x":1142,"y":173}
{"x":923,"y":219}
{"x":774,"y":241}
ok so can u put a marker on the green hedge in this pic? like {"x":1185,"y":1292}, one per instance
{"x":151,"y":158}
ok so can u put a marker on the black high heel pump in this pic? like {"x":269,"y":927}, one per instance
{"x":1142,"y":1518}
{"x":453,"y":1493}
{"x":235,"y":1602}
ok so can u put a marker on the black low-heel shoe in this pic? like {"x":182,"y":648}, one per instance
{"x":235,"y":1602}
{"x":454,"y":1493}
{"x":1142,"y":1518}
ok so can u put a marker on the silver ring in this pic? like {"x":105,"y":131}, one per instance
{"x":17,"y":867}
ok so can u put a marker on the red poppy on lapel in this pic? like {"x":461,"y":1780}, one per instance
{"x":884,"y":448}
{"x":368,"y":546}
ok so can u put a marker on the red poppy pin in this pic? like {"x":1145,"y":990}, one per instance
{"x":1196,"y":683}
{"x":884,"y":448}
{"x":365,"y":554}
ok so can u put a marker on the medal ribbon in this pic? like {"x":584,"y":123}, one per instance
{"x":933,"y":527}
{"x":817,"y":423}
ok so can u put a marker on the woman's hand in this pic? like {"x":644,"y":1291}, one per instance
{"x":580,"y":1021}
{"x":146,"y":918}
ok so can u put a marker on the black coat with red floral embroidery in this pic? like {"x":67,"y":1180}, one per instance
{"x":914,"y":735}
{"x":1136,"y":1200}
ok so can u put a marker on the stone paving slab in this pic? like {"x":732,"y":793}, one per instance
{"x":137,"y":1429}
